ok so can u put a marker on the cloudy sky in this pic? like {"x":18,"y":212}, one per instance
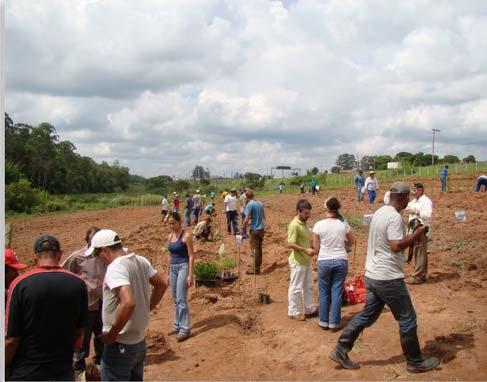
{"x":246,"y":85}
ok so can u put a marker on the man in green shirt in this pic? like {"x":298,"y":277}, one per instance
{"x":300,"y":294}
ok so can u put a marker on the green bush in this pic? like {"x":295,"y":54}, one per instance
{"x":21,"y":197}
{"x":206,"y":271}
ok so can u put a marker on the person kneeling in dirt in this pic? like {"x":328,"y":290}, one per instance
{"x":92,"y":272}
{"x":127,"y":300}
{"x":301,"y":281}
{"x":47,"y":310}
{"x":203,"y":230}
{"x":210,"y":209}
{"x":384,"y":278}
{"x":421,"y":208}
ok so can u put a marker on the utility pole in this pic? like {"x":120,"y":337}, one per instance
{"x":433,"y":147}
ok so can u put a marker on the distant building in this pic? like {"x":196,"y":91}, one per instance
{"x":393,"y":165}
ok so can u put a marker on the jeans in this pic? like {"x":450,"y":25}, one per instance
{"x":300,"y":290}
{"x":360,"y":194}
{"x":331,"y":280}
{"x":232,"y":222}
{"x":443,"y":185}
{"x":123,"y":362}
{"x":372,"y":195}
{"x":196,"y":214}
{"x":395,"y":295}
{"x":187,"y":217}
{"x":256,"y":240}
{"x":178,"y":280}
{"x":481,"y":182}
{"x":95,"y":326}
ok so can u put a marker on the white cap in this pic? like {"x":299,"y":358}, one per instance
{"x":174,"y":193}
{"x":197,"y":191}
{"x":103,"y":238}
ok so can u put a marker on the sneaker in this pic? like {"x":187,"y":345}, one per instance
{"x":173,"y":332}
{"x":182,"y":337}
{"x":297,"y":317}
{"x":342,"y":358}
{"x":315,"y":313}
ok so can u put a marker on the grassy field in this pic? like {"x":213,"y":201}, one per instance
{"x":137,"y":196}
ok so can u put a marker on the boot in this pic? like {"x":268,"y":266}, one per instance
{"x":344,"y":345}
{"x":415,"y":361}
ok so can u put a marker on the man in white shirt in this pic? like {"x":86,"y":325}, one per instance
{"x":127,"y":301}
{"x":164,"y":206}
{"x":372,"y":186}
{"x":196,"y":206}
{"x":421,"y":208}
{"x":231,"y":211}
{"x":384,"y":278}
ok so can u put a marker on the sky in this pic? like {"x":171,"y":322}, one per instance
{"x":237,"y":86}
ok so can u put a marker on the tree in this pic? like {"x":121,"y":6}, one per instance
{"x":335,"y":169}
{"x":200,"y":173}
{"x":367,"y":162}
{"x":404,"y":157}
{"x":346,"y":161}
{"x":253,"y":180}
{"x":312,"y":172}
{"x":451,"y":159}
{"x":469,"y":159}
{"x":381,"y":161}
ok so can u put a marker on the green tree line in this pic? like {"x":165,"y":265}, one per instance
{"x":37,"y":154}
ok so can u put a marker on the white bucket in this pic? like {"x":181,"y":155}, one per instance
{"x":460,"y":216}
{"x":367,"y":218}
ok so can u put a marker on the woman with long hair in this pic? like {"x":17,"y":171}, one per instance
{"x":181,"y":262}
{"x":329,"y":237}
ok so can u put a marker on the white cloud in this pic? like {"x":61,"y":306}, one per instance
{"x":244,"y":86}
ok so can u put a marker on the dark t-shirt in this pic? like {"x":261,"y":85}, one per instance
{"x":44,"y":308}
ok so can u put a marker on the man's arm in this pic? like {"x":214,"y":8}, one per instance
{"x":400,"y":245}
{"x":159,"y":287}
{"x":123,"y":313}
{"x":11,"y":347}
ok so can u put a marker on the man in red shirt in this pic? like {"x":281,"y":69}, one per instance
{"x":12,"y":268}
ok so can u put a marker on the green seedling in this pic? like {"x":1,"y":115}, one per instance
{"x":206,"y":271}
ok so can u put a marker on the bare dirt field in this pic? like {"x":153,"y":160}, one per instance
{"x":237,"y":338}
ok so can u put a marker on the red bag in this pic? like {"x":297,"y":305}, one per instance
{"x":354,"y":291}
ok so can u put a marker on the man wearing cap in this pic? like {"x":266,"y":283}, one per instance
{"x":12,"y":268}
{"x":127,"y":301}
{"x":359,"y":184}
{"x":196,"y":206}
{"x":255,"y":217}
{"x":231,"y":211}
{"x":384,"y":278}
{"x":92,"y":272}
{"x":46,"y":311}
{"x":421,"y":208}
{"x":372,"y":186}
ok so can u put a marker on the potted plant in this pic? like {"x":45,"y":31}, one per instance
{"x":206,"y":273}
{"x":226,"y":267}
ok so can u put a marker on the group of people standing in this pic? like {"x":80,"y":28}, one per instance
{"x":329,"y":240}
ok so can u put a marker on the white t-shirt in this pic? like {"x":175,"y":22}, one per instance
{"x":371,"y":184}
{"x":164,"y":204}
{"x":196,"y":201}
{"x":332,"y":233}
{"x":382,"y":263}
{"x":425,"y":207}
{"x":135,"y":271}
{"x":231,"y":202}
